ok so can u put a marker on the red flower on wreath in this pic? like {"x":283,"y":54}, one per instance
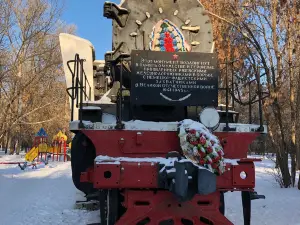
{"x":216,"y":159}
{"x":209,"y":149}
{"x":202,"y":154}
{"x":202,"y":162}
{"x":214,"y":165}
{"x":202,"y":141}
{"x":204,"y":149}
{"x":192,"y":131}
{"x":194,"y":142}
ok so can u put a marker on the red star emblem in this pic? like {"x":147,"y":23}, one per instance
{"x":175,"y":56}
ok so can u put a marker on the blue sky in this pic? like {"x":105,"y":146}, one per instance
{"x":87,"y":15}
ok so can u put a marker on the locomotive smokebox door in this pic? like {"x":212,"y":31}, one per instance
{"x":169,"y":78}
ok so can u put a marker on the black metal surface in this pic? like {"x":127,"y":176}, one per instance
{"x":83,"y":154}
{"x":185,"y":180}
{"x":113,"y":206}
{"x":109,"y":206}
{"x":22,"y":167}
{"x":92,"y":196}
{"x":180,"y":181}
{"x":168,"y":78}
{"x":159,"y":113}
{"x":260,"y":98}
{"x":222,"y":203}
{"x":102,"y":200}
{"x":207,"y":182}
{"x":246,"y":202}
{"x":247,"y":197}
{"x":114,"y":56}
{"x":250,"y":106}
{"x":119,"y":124}
{"x":94,"y":115}
{"x":80,"y":85}
{"x":81,"y":95}
{"x":174,"y":154}
{"x":227,"y":99}
{"x":140,"y":96}
{"x":255,"y":196}
{"x":112,"y":11}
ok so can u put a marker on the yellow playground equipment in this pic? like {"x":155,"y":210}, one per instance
{"x":40,"y":146}
{"x":59,"y":145}
{"x":32,"y":154}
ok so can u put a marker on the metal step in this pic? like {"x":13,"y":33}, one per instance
{"x":87,"y":205}
{"x":255,"y":196}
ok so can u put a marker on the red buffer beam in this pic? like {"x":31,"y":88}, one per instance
{"x":145,"y":175}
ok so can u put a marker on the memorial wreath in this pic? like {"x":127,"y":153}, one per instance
{"x":201,"y":147}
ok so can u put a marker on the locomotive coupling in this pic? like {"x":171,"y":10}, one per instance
{"x":185,"y":180}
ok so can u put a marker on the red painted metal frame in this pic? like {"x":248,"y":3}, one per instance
{"x":125,"y":175}
{"x":15,"y":163}
{"x":145,"y":175}
{"x":60,"y":145}
{"x":163,"y":205}
{"x":159,"y":143}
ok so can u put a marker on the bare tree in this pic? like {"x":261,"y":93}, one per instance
{"x":270,"y":32}
{"x":32,"y":87}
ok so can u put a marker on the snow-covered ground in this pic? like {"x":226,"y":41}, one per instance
{"x":46,"y":195}
{"x":281,"y":206}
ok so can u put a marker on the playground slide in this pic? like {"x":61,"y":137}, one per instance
{"x":32,"y":154}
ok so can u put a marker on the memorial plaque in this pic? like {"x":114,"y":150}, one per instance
{"x":169,"y":78}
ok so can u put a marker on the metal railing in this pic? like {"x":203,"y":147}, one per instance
{"x":81,"y":89}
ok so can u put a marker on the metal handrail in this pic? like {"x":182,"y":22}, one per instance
{"x":79,"y":87}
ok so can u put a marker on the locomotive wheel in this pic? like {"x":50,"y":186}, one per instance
{"x":82,"y":157}
{"x":110,"y":206}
